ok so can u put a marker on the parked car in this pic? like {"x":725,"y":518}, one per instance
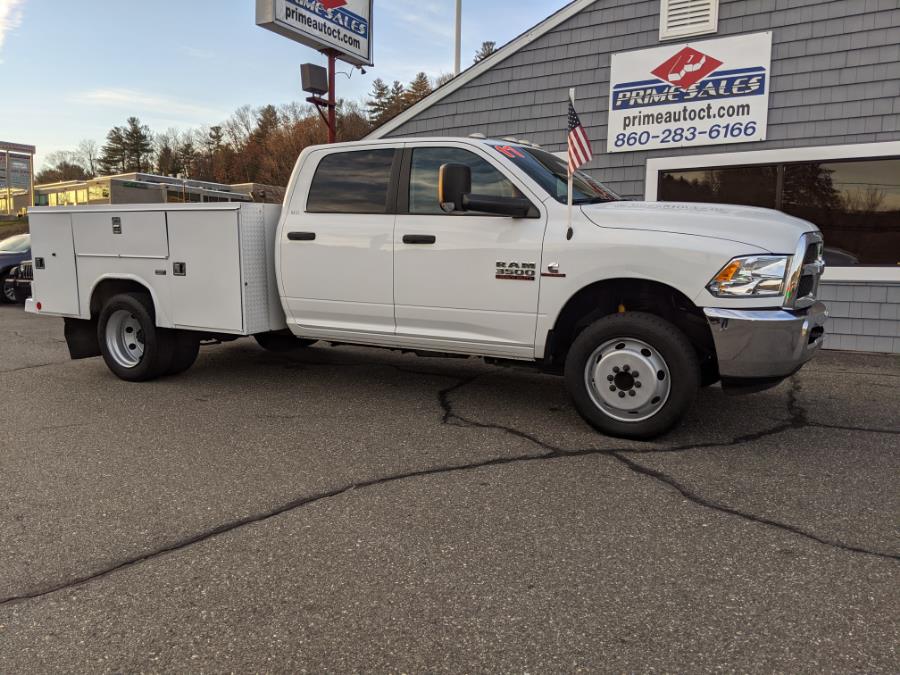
{"x":13,"y":252}
{"x":24,"y":276}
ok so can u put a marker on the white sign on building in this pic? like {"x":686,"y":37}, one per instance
{"x":701,"y":93}
{"x":342,"y":25}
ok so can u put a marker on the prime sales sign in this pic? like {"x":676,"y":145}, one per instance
{"x":705,"y":93}
{"x":342,"y":25}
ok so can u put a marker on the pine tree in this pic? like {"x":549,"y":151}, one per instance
{"x":419,"y":88}
{"x":378,"y":101}
{"x":114,"y":155}
{"x":487,"y":48}
{"x":187,"y":153}
{"x":138,"y":145}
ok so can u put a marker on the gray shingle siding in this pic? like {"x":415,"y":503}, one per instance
{"x":835,"y":79}
{"x":862,"y":316}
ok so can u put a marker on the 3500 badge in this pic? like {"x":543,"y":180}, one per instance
{"x":517,"y":271}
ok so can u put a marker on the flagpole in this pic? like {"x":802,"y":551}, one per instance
{"x":571,"y":173}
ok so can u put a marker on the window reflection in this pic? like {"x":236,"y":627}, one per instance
{"x":352,"y":182}
{"x":748,"y":185}
{"x":855,"y":203}
{"x":426,"y":165}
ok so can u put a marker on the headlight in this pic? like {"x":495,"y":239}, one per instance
{"x":752,"y":276}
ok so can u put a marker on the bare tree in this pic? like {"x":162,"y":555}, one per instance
{"x":87,"y":155}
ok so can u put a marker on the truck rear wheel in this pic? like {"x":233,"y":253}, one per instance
{"x":131,"y":344}
{"x":632,"y":375}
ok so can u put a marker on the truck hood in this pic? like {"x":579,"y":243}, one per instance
{"x":767,"y":229}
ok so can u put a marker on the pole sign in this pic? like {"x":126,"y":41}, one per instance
{"x":705,"y":93}
{"x":342,"y":25}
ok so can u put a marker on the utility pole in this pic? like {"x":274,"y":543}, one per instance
{"x":332,"y":103}
{"x":457,"y":63}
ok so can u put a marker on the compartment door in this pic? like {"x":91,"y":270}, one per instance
{"x":53,"y":252}
{"x":205,"y":270}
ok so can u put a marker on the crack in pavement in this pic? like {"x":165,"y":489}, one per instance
{"x":451,"y":417}
{"x":798,"y":420}
{"x":39,"y":365}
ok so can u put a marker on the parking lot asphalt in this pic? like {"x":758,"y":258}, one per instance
{"x":346,"y":509}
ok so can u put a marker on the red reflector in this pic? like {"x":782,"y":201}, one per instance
{"x":38,"y":305}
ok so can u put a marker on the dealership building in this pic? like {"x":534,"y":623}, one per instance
{"x":785,"y":104}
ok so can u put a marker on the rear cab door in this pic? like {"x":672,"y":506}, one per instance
{"x":336,"y":257}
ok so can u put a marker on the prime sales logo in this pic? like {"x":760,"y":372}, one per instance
{"x":336,"y":12}
{"x":685,"y":68}
{"x":687,"y":76}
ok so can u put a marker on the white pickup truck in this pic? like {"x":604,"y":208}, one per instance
{"x":448,"y":246}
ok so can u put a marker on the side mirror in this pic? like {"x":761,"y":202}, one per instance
{"x":454,"y":195}
{"x":454,"y":181}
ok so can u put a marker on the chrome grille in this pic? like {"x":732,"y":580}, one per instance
{"x":806,"y":270}
{"x":26,"y":271}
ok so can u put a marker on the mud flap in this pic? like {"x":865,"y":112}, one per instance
{"x":81,"y":338}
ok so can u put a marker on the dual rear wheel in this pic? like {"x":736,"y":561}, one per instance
{"x":134,"y":348}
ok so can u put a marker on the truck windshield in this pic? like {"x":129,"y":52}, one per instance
{"x":551,"y":173}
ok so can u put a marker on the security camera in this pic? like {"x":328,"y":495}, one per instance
{"x":362,"y":70}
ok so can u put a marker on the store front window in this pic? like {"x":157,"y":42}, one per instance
{"x":855,"y":203}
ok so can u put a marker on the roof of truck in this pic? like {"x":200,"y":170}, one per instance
{"x":396,"y":140}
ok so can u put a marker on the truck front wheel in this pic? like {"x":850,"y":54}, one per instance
{"x":632,"y":375}
{"x":131,"y":344}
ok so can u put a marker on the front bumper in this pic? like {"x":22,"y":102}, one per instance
{"x":765,"y":344}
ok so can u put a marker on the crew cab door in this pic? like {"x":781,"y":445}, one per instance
{"x":336,"y":265}
{"x":465,"y":281}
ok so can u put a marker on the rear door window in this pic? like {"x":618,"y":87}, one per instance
{"x":352,"y":182}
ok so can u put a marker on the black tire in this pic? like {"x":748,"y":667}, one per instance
{"x":637,"y":341}
{"x":157,"y":352}
{"x":8,"y":295}
{"x":186,"y":347}
{"x":281,"y":342}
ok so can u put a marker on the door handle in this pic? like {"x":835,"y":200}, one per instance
{"x":419,"y":239}
{"x":301,"y":236}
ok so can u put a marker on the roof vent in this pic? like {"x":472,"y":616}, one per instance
{"x":681,"y":18}
{"x":477,"y":135}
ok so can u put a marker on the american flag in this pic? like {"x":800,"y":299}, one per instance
{"x":580,"y":152}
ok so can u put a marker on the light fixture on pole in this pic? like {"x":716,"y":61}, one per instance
{"x":316,"y":81}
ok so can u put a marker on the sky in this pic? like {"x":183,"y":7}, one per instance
{"x":71,"y":70}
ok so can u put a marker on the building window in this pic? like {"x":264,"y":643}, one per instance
{"x":683,"y":18}
{"x":352,"y":182}
{"x":749,"y":185}
{"x":856,"y":203}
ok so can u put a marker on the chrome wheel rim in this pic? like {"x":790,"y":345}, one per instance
{"x":628,"y":379}
{"x":9,"y":290}
{"x":125,"y":338}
